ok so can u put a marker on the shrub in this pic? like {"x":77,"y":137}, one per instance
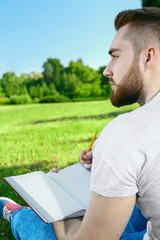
{"x":54,"y":99}
{"x":4,"y":100}
{"x":22,"y":99}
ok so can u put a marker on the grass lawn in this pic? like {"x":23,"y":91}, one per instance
{"x":41,"y":136}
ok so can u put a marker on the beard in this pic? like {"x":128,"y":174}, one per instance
{"x":130,"y":89}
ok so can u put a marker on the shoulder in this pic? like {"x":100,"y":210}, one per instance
{"x":117,"y":159}
{"x":120,"y":127}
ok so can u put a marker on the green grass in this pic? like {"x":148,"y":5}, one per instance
{"x":41,"y":136}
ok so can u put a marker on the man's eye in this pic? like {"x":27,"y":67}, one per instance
{"x":114,"y":57}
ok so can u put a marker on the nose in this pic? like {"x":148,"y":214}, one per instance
{"x":107,"y":72}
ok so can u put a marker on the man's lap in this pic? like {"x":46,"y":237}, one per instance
{"x":26,"y":225}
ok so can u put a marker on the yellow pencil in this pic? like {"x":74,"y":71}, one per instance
{"x":93,"y":139}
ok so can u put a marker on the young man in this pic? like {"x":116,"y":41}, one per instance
{"x":126,"y":156}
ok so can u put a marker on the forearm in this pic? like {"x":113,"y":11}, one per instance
{"x":67,"y":230}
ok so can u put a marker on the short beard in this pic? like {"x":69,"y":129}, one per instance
{"x":131,"y":87}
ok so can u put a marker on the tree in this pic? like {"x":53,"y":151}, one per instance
{"x":150,"y":3}
{"x":24,"y":77}
{"x":105,"y":85}
{"x":36,"y":75}
{"x":84,"y":90}
{"x":72,"y":85}
{"x":46,"y":90}
{"x":63,"y":83}
{"x":52,"y":90}
{"x":33,"y":92}
{"x":39,"y":91}
{"x":96,"y":89}
{"x":52,"y":69}
{"x":68,"y":84}
{"x":11,"y":84}
{"x":84,"y":73}
{"x":1,"y":91}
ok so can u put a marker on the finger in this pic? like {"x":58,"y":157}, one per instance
{"x":88,"y":156}
{"x":82,"y":153}
{"x":87,"y":161}
{"x":55,"y":170}
{"x":88,"y":166}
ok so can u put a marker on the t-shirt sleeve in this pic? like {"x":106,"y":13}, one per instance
{"x":117,"y":160}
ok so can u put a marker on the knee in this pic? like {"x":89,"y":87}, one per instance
{"x":16,"y":219}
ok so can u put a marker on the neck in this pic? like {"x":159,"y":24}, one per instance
{"x":147,"y":98}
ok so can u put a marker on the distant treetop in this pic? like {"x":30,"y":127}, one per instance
{"x":150,"y":3}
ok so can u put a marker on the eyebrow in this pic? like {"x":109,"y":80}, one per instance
{"x":112,"y":50}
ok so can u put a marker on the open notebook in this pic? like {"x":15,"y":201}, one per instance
{"x":55,"y":196}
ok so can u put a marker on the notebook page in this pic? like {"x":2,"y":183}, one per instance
{"x":46,"y":193}
{"x":75,"y":180}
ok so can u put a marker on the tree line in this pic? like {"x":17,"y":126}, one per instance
{"x":56,"y":83}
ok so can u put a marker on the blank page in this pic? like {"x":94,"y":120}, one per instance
{"x":76,"y":180}
{"x":41,"y":192}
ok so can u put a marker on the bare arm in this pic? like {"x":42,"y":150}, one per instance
{"x":105,"y":219}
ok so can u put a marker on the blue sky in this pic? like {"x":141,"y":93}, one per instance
{"x":34,"y":30}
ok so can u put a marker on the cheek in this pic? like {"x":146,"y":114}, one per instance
{"x":120,"y":68}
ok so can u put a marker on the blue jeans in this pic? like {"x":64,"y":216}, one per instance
{"x":26,"y":225}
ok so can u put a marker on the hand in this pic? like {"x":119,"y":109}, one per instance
{"x":55,"y":170}
{"x":86,"y":159}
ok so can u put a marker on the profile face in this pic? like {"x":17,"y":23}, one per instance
{"x":130,"y":88}
{"x":123,"y":71}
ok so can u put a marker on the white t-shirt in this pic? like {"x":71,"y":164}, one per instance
{"x":126,"y":161}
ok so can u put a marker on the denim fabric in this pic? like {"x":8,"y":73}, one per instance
{"x":136,"y":227}
{"x":26,"y":225}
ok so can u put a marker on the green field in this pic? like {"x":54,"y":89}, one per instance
{"x":41,"y":136}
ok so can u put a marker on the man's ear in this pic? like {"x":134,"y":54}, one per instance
{"x":150,"y":57}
